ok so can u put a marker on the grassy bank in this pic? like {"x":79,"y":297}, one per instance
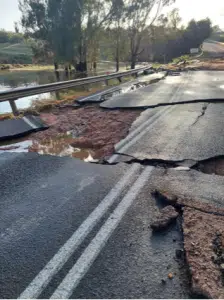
{"x":25,"y":67}
{"x":65,"y":97}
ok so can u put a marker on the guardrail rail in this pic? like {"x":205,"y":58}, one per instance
{"x":17,"y":93}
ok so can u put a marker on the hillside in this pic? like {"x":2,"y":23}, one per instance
{"x":15,"y":53}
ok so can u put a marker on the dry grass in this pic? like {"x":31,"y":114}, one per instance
{"x":68,"y":97}
{"x":6,"y":116}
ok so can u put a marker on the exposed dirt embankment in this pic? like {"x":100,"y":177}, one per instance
{"x":203,"y":232}
{"x":206,"y":64}
{"x":89,"y":127}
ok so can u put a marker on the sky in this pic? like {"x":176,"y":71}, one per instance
{"x":198,"y":9}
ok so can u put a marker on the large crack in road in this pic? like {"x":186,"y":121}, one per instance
{"x":213,"y":165}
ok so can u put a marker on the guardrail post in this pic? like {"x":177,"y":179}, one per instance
{"x":107,"y":82}
{"x":120,"y":79}
{"x":14,"y":107}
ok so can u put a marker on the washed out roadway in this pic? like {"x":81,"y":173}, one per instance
{"x":195,"y":85}
{"x":45,"y":199}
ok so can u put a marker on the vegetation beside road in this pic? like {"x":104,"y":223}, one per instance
{"x":14,"y":48}
{"x":113,"y":31}
{"x":25,"y":67}
{"x":109,"y":30}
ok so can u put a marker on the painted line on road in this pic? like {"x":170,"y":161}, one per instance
{"x":139,"y":136}
{"x":105,"y":92}
{"x":78,"y":271}
{"x":31,"y":124}
{"x":36,"y":287}
{"x":140,"y":131}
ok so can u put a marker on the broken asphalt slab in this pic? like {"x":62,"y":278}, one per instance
{"x":15,"y":128}
{"x":121,"y":89}
{"x":194,"y":87}
{"x":100,"y":95}
{"x":181,"y":136}
{"x":190,"y":185}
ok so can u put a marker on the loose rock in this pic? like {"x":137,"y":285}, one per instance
{"x":164,"y":218}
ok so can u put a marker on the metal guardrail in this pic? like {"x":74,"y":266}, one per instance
{"x":17,"y":93}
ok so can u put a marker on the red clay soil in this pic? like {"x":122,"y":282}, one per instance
{"x":212,"y":64}
{"x":96,"y":129}
{"x":201,"y":233}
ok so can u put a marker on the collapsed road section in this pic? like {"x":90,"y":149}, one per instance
{"x":103,"y":239}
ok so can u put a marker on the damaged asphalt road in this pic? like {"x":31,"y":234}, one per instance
{"x":188,"y":87}
{"x":70,"y":229}
{"x":183,"y":136}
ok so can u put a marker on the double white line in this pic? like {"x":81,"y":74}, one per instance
{"x":67,"y":286}
{"x":82,"y":265}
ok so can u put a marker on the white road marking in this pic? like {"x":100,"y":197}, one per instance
{"x":25,"y":119}
{"x":72,"y":279}
{"x":36,"y":287}
{"x":155,"y":119}
{"x":140,"y":131}
{"x":108,"y":91}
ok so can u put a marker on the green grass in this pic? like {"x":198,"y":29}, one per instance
{"x":15,"y":49}
{"x":181,"y":58}
{"x":219,"y":37}
{"x":15,"y":53}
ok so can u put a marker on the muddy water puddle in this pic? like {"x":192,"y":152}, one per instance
{"x":59,"y":146}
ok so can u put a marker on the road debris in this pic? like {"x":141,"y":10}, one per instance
{"x":182,"y":202}
{"x":165,"y":217}
{"x":170,"y":276}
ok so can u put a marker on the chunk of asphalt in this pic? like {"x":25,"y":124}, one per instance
{"x":98,"y":96}
{"x":165,"y":217}
{"x":167,"y":198}
{"x":20,"y":127}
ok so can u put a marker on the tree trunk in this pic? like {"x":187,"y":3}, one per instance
{"x":117,"y":58}
{"x":55,"y":66}
{"x":66,"y":72}
{"x":133,"y":62}
{"x":57,"y":74}
{"x":117,"y":65}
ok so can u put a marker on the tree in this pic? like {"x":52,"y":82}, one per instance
{"x":16,"y":26}
{"x":66,"y":26}
{"x":171,"y":40}
{"x":174,"y":18}
{"x":140,"y":14}
{"x":53,"y":23}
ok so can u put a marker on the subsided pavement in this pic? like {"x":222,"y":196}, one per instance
{"x":72,"y":229}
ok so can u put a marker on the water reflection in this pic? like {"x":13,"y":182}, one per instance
{"x":58,"y":146}
{"x":15,"y":79}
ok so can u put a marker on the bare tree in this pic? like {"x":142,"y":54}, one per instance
{"x":139,"y":15}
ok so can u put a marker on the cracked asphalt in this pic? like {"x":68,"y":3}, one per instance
{"x":70,"y":229}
